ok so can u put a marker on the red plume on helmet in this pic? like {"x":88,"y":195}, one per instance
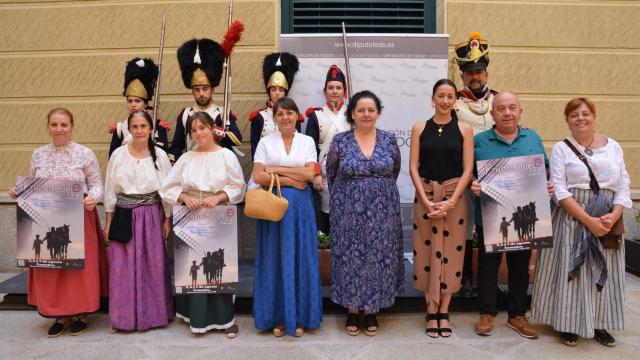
{"x":232,"y":37}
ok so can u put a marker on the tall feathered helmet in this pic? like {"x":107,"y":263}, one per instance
{"x":201,"y":62}
{"x":472,"y":54}
{"x":140,"y":78}
{"x":279,"y":69}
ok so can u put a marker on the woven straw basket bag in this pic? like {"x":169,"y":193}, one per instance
{"x":264,"y":204}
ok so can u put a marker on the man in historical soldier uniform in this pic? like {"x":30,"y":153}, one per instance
{"x":473,"y":106}
{"x":278,"y":72}
{"x":140,"y":78}
{"x":323,"y":123}
{"x":201,"y":62}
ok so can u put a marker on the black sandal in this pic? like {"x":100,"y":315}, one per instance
{"x":353,"y":320}
{"x":604,"y":337}
{"x":444,"y":332}
{"x":569,"y":339}
{"x":370,"y":321}
{"x":432,"y":332}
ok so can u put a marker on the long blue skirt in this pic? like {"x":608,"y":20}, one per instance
{"x":287,"y":287}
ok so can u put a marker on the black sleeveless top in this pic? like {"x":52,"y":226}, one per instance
{"x":441,"y":155}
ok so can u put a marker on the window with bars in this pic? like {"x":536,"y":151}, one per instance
{"x":359,"y":16}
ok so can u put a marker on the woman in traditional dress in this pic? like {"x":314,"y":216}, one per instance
{"x":573,"y":296}
{"x":278,"y":72}
{"x":140,"y":296}
{"x":140,"y":78}
{"x":366,"y":232}
{"x":206,"y":177}
{"x":287,"y":295}
{"x":69,"y":295}
{"x":441,"y":166}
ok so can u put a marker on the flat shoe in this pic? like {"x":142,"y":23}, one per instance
{"x":78,"y":327}
{"x":604,"y":338}
{"x":299,"y":332}
{"x":56,"y":329}
{"x":569,"y":339}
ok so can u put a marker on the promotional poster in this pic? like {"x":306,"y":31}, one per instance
{"x":400,"y":69}
{"x":206,"y":250}
{"x":50,"y":229}
{"x":516,"y":213}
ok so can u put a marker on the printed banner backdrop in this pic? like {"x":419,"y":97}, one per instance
{"x":206,"y":250}
{"x":50,"y":229}
{"x":399,"y":69}
{"x":516,"y":213}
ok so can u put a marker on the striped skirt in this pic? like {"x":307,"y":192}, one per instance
{"x":576,"y":306}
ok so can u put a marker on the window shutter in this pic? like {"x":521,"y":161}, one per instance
{"x":359,"y":16}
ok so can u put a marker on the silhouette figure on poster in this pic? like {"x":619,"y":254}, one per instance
{"x":194,"y":273}
{"x":212,"y":265}
{"x":504,"y":229}
{"x":206,"y":267}
{"x":58,"y":242}
{"x":36,"y":246}
{"x":516,"y":219}
{"x":529,"y":216}
{"x":524,"y":223}
{"x":64,"y":234}
{"x":49,"y":238}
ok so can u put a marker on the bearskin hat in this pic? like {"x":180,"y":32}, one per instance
{"x":144,"y":70}
{"x":285,"y":63}
{"x":203,"y":54}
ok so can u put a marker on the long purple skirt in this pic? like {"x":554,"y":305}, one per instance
{"x":140,"y":295}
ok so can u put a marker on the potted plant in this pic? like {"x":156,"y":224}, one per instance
{"x":324,"y":257}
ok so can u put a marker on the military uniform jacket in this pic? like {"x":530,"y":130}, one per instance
{"x":121,"y":135}
{"x":323,"y":124}
{"x":182,"y":141}
{"x":475,"y":112}
{"x":262,"y":124}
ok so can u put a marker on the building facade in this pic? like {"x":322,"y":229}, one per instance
{"x":72,"y":54}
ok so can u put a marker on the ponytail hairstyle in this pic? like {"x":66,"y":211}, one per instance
{"x":150,"y":142}
{"x":441,"y":82}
